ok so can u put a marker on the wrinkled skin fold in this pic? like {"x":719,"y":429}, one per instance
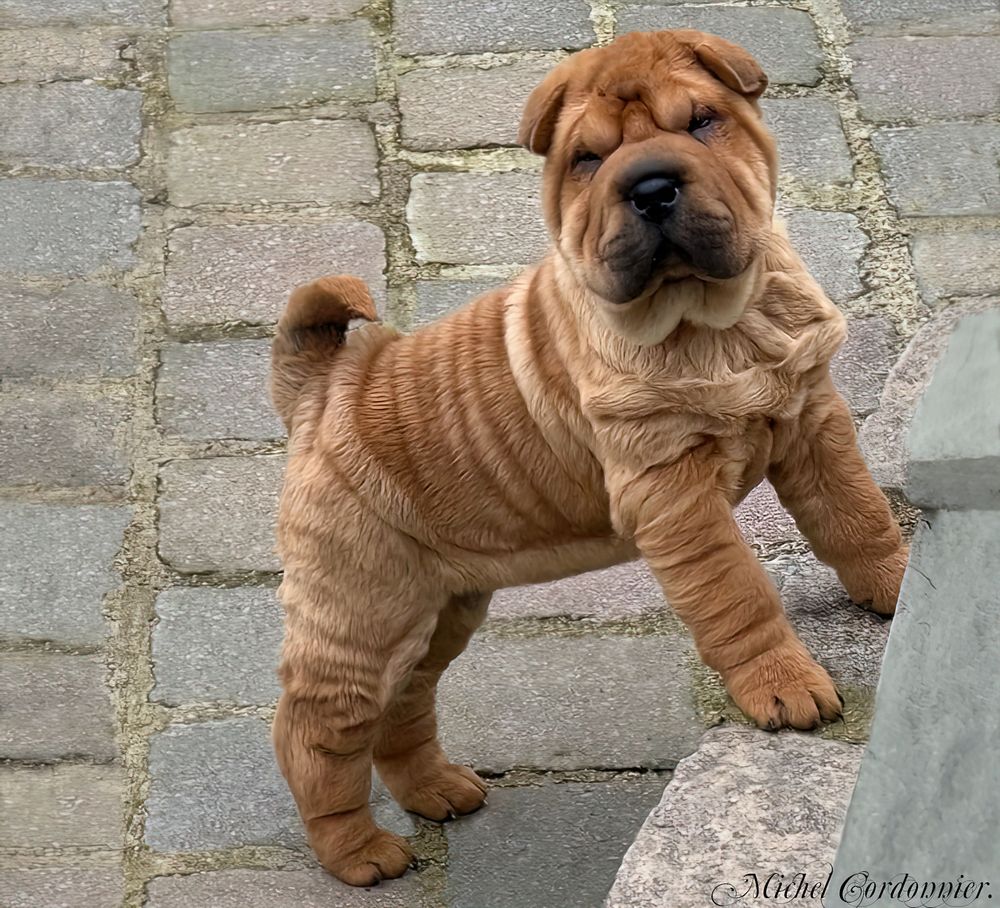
{"x":615,"y":401}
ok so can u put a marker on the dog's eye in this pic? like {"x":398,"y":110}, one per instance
{"x":699,"y":124}
{"x":586,"y":161}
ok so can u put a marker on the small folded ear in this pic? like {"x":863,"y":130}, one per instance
{"x":733,"y":66}
{"x":541,"y":112}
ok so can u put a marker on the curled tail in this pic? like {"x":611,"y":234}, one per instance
{"x":313,"y":326}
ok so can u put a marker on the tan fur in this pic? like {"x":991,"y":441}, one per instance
{"x":542,"y":431}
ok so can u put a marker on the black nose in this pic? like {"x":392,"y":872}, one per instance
{"x":654,"y":197}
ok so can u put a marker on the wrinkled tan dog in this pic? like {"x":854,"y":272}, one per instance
{"x":615,"y":401}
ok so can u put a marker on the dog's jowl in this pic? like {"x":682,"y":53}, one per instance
{"x":615,"y":401}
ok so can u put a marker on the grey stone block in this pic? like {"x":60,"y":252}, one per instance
{"x":54,"y":706}
{"x":437,"y":114}
{"x":569,"y":703}
{"x":922,"y":17}
{"x":244,"y":274}
{"x":217,"y":785}
{"x":549,"y":846}
{"x":202,"y":13}
{"x":765,"y":524}
{"x":748,"y":802}
{"x":624,"y":591}
{"x":67,"y":227}
{"x":69,"y":124}
{"x":56,"y":565}
{"x":919,"y":78}
{"x":959,"y":263}
{"x":883,"y":434}
{"x":280,"y":889}
{"x":930,"y":774}
{"x":831,"y":244}
{"x":946,"y":169}
{"x":471,"y":26}
{"x":96,"y":885}
{"x":62,"y":806}
{"x":216,"y":645}
{"x":954,"y":442}
{"x":81,"y":12}
{"x":254,"y":69}
{"x":844,"y":638}
{"x":446,"y":219}
{"x":217,"y":390}
{"x":862,"y":364}
{"x":436,"y":299}
{"x":783,"y":40}
{"x":80,"y":331}
{"x":811,"y":143}
{"x":219,"y":513}
{"x":63,"y":439}
{"x":47,"y":54}
{"x":312,"y":161}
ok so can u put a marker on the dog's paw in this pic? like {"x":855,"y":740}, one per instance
{"x":785,"y":687}
{"x":360,"y":854}
{"x":442,"y":793}
{"x":877,"y":584}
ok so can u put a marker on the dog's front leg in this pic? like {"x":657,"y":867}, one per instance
{"x":822,"y":480}
{"x":682,"y":523}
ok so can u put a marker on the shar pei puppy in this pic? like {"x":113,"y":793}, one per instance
{"x":616,"y":401}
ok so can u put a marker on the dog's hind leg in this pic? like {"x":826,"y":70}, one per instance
{"x":407,"y":755}
{"x":345,"y":656}
{"x":822,"y":480}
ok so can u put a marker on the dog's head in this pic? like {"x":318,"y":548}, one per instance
{"x":659,"y":170}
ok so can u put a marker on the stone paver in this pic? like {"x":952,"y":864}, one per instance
{"x":171,"y":169}
{"x":244,"y":274}
{"x":39,"y":55}
{"x":217,"y":390}
{"x":216,"y":645}
{"x":811,"y":141}
{"x":55,"y":706}
{"x":949,"y":169}
{"x":577,"y":831}
{"x":470,"y":26}
{"x":831,"y":244}
{"x":569,"y":703}
{"x":66,"y":227}
{"x":56,"y":566}
{"x":80,"y":331}
{"x":62,"y":806}
{"x":435,"y":104}
{"x":69,"y":124}
{"x":253,"y":69}
{"x":273,"y":162}
{"x":437,"y":298}
{"x":922,"y":78}
{"x":216,"y":785}
{"x":81,"y":12}
{"x":218,"y":513}
{"x":783,"y":40}
{"x":62,"y":439}
{"x":202,"y":13}
{"x":861,"y":366}
{"x":100,"y":886}
{"x":958,"y":263}
{"x":623,"y":591}
{"x":923,"y":17}
{"x":445,"y":212}
{"x":746,"y":802}
{"x":279,"y":889}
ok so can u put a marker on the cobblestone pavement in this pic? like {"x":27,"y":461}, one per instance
{"x":167,"y":175}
